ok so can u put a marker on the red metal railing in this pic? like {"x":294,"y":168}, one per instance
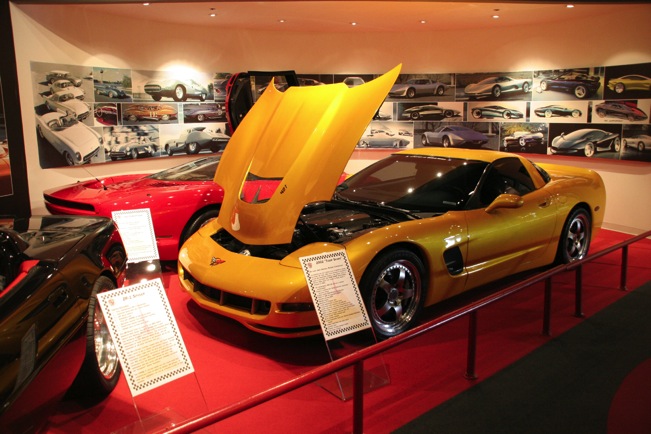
{"x":357,"y":359}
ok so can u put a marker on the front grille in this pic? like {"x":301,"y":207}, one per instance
{"x":152,"y":88}
{"x":249,"y":305}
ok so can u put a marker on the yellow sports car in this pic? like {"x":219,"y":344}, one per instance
{"x":418,"y":226}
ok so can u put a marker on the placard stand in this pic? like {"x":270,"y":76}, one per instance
{"x":343,"y":319}
{"x":340,"y":384}
{"x":164,"y":387}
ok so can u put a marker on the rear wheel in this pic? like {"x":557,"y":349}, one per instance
{"x":575,"y":238}
{"x":589,"y":149}
{"x":101,"y":369}
{"x":392,"y":287}
{"x":179,"y":93}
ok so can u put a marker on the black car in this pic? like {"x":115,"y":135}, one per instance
{"x":579,"y":84}
{"x":52,"y":330}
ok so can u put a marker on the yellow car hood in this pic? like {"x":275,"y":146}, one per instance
{"x":300,"y":139}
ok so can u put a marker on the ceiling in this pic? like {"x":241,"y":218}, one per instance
{"x":338,"y":16}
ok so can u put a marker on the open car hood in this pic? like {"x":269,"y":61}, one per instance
{"x":302,"y":138}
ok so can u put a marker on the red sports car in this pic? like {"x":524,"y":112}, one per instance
{"x":181,"y":200}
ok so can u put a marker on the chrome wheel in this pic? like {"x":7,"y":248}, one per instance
{"x":393,"y":291}
{"x":105,"y":351}
{"x":575,"y":239}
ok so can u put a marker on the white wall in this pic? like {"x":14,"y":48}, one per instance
{"x":74,"y":34}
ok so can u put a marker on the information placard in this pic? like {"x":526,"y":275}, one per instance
{"x":145,"y":333}
{"x":336,"y":297}
{"x":137,"y":231}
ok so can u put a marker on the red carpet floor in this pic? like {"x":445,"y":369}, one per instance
{"x":232,"y":363}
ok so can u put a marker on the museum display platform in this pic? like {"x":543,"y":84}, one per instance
{"x":232,"y":363}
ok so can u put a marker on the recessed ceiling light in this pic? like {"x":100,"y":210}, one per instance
{"x":423,"y":22}
{"x":495,"y":16}
{"x":145,"y":4}
{"x":569,"y":6}
{"x":281,"y":20}
{"x":354,"y":23}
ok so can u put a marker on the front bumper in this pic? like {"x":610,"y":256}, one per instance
{"x":262,"y":294}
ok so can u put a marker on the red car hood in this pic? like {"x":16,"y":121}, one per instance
{"x":112,"y":189}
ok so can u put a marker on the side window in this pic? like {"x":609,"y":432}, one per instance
{"x":507,"y":175}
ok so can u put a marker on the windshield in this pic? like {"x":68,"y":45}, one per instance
{"x":197,"y":170}
{"x":415,"y":183}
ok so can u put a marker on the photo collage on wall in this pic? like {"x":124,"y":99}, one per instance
{"x":97,"y":115}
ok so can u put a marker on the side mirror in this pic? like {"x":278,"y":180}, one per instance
{"x":505,"y":201}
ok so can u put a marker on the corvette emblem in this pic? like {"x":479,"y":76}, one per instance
{"x":216,"y":261}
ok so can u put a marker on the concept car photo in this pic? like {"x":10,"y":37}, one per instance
{"x":586,"y":141}
{"x":419,"y":226}
{"x":497,"y":86}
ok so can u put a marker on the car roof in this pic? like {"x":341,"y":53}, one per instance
{"x":466,"y":154}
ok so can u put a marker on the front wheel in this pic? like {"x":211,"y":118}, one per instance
{"x":192,"y":148}
{"x":197,"y":223}
{"x":640,"y":146}
{"x":392,"y":287}
{"x":101,"y":369}
{"x":497,"y":92}
{"x":580,"y":92}
{"x":575,"y":238}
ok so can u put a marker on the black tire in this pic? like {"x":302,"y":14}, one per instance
{"x":574,"y":241}
{"x":543,"y":85}
{"x":134,"y":154}
{"x":423,"y":140}
{"x":589,"y":149}
{"x":101,"y":369}
{"x":616,"y":145}
{"x":168,"y":150}
{"x":525,"y":87}
{"x":415,"y":115}
{"x":496,"y":92}
{"x":446,"y":142}
{"x":411,"y":92}
{"x":640,"y":146}
{"x":179,"y":93}
{"x":362,"y":144}
{"x":580,"y":91}
{"x":201,"y":117}
{"x":476,"y":113}
{"x":196,"y":223}
{"x":392,"y":288}
{"x":191,"y":148}
{"x":440,"y":90}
